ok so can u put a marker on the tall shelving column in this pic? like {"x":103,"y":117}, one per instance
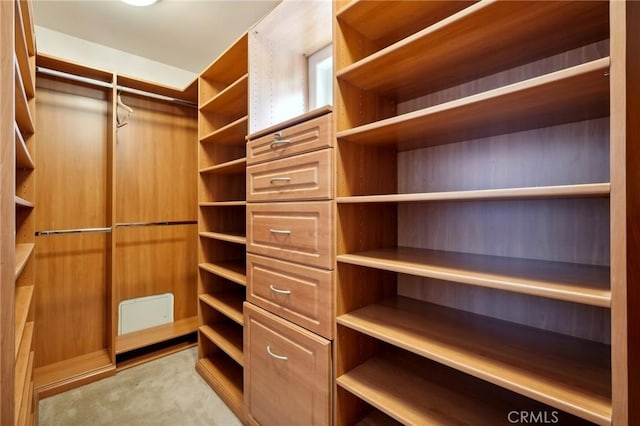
{"x":222,"y":129}
{"x":24,"y":61}
{"x":474,"y":212}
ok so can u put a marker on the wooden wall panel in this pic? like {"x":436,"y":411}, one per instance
{"x":70,"y":296}
{"x":155,"y":260}
{"x":156,"y":162}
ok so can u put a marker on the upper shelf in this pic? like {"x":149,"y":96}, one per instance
{"x":23,"y":157}
{"x":231,"y":64}
{"x":226,"y":236}
{"x":21,"y":202}
{"x":27,"y":19}
{"x":22,"y":53}
{"x":230,"y":101}
{"x":233,"y":133}
{"x":23,"y":113}
{"x":558,"y":191}
{"x":572,"y":94}
{"x":567,"y":373}
{"x":571,"y":282}
{"x":232,"y":271}
{"x":371,"y":18}
{"x":438,"y":56}
{"x":23,"y":253}
{"x":232,"y":167}
{"x":24,"y":295}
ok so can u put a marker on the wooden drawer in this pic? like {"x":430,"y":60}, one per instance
{"x":302,"y":177}
{"x":297,"y":232}
{"x":287,"y":379}
{"x":304,"y":137}
{"x":297,"y":293}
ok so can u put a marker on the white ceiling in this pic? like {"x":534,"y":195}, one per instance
{"x":186,"y":34}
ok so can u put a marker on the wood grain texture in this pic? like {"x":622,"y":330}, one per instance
{"x":232,"y":134}
{"x":231,"y":101}
{"x":70,"y":67}
{"x":571,"y":282}
{"x":156,"y":159}
{"x":23,"y":367}
{"x":233,"y":167}
{"x":573,"y":94}
{"x":147,"y":337}
{"x":228,"y":66}
{"x":157,"y":88}
{"x":228,"y":304}
{"x":225,"y":236}
{"x":300,"y":232}
{"x":227,"y":337}
{"x":362,"y":227}
{"x":309,"y":302}
{"x":71,"y":297}
{"x":227,"y":218}
{"x":22,"y":53}
{"x":22,"y":307}
{"x":302,"y":380}
{"x":232,"y":271}
{"x":535,"y":32}
{"x":23,"y":157}
{"x":22,"y":254}
{"x":366,"y":170}
{"x":225,"y":377}
{"x":214,"y":188}
{"x":563,"y":230}
{"x":157,"y":260}
{"x":569,"y":374}
{"x":303,"y":177}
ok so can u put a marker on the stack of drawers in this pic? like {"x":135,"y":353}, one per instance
{"x":288,"y":315}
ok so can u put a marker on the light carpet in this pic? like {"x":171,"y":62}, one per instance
{"x":167,"y":391}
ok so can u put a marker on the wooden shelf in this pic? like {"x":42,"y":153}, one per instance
{"x":23,"y":253}
{"x":573,"y":94}
{"x":23,"y":113}
{"x":444,"y":50}
{"x":232,"y":271}
{"x":371,"y":18}
{"x":24,"y":295}
{"x":228,"y":304}
{"x":226,"y":337}
{"x":230,"y":238}
{"x":378,"y":418}
{"x":230,"y":101}
{"x":225,"y":377}
{"x":64,"y":375}
{"x":22,"y":53}
{"x":222,"y":203}
{"x":24,"y":365}
{"x":233,"y":167}
{"x":564,"y":372}
{"x":23,"y":157}
{"x":27,"y":17}
{"x":22,"y":203}
{"x":422,"y":400}
{"x":27,"y":398}
{"x":231,"y":64}
{"x":558,"y":191}
{"x":143,"y":338}
{"x":233,"y":133}
{"x":578,"y":283}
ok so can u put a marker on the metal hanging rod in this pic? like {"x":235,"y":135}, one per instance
{"x":72,"y":231}
{"x":99,"y":83}
{"x":165,"y":223}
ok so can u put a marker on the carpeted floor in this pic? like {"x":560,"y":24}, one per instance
{"x":167,"y":392}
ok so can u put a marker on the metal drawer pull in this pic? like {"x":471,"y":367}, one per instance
{"x":280,"y":357}
{"x":280,"y":179}
{"x":275,"y":290}
{"x":277,"y":141}
{"x":280,"y":231}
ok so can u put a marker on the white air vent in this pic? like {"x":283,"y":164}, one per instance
{"x":144,"y":312}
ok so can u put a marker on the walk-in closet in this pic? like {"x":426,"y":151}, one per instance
{"x":349,"y":212}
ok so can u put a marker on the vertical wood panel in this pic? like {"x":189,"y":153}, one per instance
{"x":157,"y":160}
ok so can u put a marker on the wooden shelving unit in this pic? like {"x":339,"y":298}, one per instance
{"x":468,"y":211}
{"x":140,"y":339}
{"x":223,"y":125}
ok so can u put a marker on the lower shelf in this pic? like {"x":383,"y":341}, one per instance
{"x":426,"y":393}
{"x":226,"y":378}
{"x":228,"y":304}
{"x":227,"y":337}
{"x":140,"y":339}
{"x":68,"y":374}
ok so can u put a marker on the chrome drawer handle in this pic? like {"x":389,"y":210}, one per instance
{"x":280,"y":231}
{"x":277,"y":141}
{"x":280,"y":179}
{"x":276,"y":290}
{"x":276,"y":356}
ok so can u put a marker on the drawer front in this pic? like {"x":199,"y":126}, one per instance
{"x":304,"y":137}
{"x":287,"y":379}
{"x":297,"y":232}
{"x":300,"y":294}
{"x":302,"y":177}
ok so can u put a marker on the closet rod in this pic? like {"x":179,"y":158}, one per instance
{"x":72,"y":231}
{"x":174,"y":222}
{"x":100,"y":83}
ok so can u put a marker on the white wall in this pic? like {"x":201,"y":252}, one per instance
{"x":95,"y":55}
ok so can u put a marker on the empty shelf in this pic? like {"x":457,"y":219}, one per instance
{"x":23,"y":157}
{"x":230,"y":65}
{"x":21,"y":202}
{"x":573,"y":94}
{"x":228,"y":304}
{"x":23,"y":253}
{"x":227,"y":337}
{"x":228,"y":237}
{"x":22,"y":52}
{"x":229,"y":168}
{"x":23,"y":113}
{"x":564,"y":372}
{"x":225,"y":377}
{"x":233,"y":133}
{"x":24,"y":365}
{"x":143,"y":338}
{"x":222,"y":203}
{"x":233,"y":271}
{"x":24,"y":295}
{"x":231,"y":101}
